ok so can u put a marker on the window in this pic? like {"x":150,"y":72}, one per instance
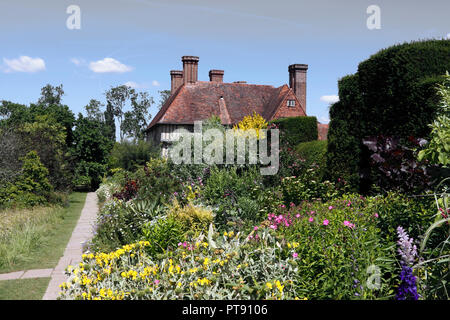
{"x":291,"y":103}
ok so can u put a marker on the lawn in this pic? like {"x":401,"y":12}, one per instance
{"x":23,"y":289}
{"x":36,"y":238}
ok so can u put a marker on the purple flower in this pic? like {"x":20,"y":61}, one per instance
{"x":407,"y":250}
{"x":407,"y":289}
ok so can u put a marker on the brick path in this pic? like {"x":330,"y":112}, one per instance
{"x":72,"y":255}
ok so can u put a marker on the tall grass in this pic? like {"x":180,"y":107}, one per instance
{"x":35,"y":238}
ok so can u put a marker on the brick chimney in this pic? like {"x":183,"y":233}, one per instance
{"x":297,"y":82}
{"x":176,"y":77}
{"x":216,"y":75}
{"x":190,"y":69}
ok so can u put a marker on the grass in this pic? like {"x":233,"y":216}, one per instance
{"x":36,"y":238}
{"x":23,"y":289}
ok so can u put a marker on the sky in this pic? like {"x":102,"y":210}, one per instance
{"x":138,"y":42}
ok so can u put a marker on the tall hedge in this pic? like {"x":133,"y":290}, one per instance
{"x":393,"y":93}
{"x":297,"y":129}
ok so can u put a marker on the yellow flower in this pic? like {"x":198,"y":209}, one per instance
{"x":269,"y":285}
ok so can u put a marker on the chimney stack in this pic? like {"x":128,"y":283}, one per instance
{"x":190,"y":69}
{"x":176,"y":77}
{"x":216,"y":75}
{"x":297,"y":82}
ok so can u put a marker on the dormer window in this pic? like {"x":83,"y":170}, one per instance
{"x":291,"y":103}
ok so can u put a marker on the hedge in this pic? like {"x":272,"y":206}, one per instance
{"x":393,"y":94}
{"x":297,"y":129}
{"x":314,"y":152}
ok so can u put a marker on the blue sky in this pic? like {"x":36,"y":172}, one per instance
{"x":139,"y":42}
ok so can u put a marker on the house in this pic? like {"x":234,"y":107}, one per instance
{"x":192,"y":100}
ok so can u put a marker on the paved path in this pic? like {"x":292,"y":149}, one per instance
{"x":72,"y":255}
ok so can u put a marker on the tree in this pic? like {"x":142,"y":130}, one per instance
{"x":93,"y":110}
{"x":164,"y":96}
{"x":91,"y":149}
{"x":131,"y":122}
{"x":47,"y":137}
{"x":117,"y":98}
{"x":135,"y":121}
{"x":110,"y":122}
{"x":51,"y":95}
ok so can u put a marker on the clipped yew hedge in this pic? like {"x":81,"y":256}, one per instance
{"x":295,"y":130}
{"x":392,"y":94}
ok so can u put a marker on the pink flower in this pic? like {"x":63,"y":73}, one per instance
{"x":297,"y":215}
{"x":312,"y":212}
{"x":292,"y":204}
{"x":255,"y":228}
{"x":330,"y":208}
{"x":156,"y":282}
{"x":295,"y":255}
{"x":274,"y":227}
{"x":349,"y":203}
{"x":326,"y":222}
{"x":376,"y":215}
{"x":311,"y":219}
{"x":349,"y":224}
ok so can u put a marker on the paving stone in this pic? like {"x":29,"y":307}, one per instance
{"x":72,"y":254}
{"x":37,"y":273}
{"x":11,"y":275}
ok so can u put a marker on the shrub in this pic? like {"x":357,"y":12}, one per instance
{"x":194,"y":218}
{"x":391,"y":94}
{"x":31,"y":187}
{"x":314,"y":152}
{"x":296,"y":130}
{"x":224,"y":189}
{"x":307,"y":187}
{"x":129,"y":155}
{"x":164,"y":234}
{"x":119,"y":223}
{"x":395,"y":166}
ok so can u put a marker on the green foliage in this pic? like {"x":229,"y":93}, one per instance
{"x":314,"y":152}
{"x":120,"y":223}
{"x":91,"y":142}
{"x":336,"y":244}
{"x":391,"y":94}
{"x":395,"y":209}
{"x":163,"y":234}
{"x":307,"y":187}
{"x":193,"y":218}
{"x":88,"y":175}
{"x":296,"y":130}
{"x":31,"y":187}
{"x":225,"y":188}
{"x":129,"y":155}
{"x":438,"y":150}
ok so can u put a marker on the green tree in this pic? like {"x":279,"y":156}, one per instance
{"x":47,"y":137}
{"x":135,"y":121}
{"x":93,"y":110}
{"x":164,"y":95}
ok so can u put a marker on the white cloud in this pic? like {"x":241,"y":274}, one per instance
{"x":329,"y":99}
{"x":78,"y":62}
{"x":155,"y":83}
{"x":136,"y":85}
{"x":24,"y":64}
{"x":109,"y":65}
{"x":448,"y":36}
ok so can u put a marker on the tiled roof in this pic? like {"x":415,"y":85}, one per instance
{"x":230,"y":101}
